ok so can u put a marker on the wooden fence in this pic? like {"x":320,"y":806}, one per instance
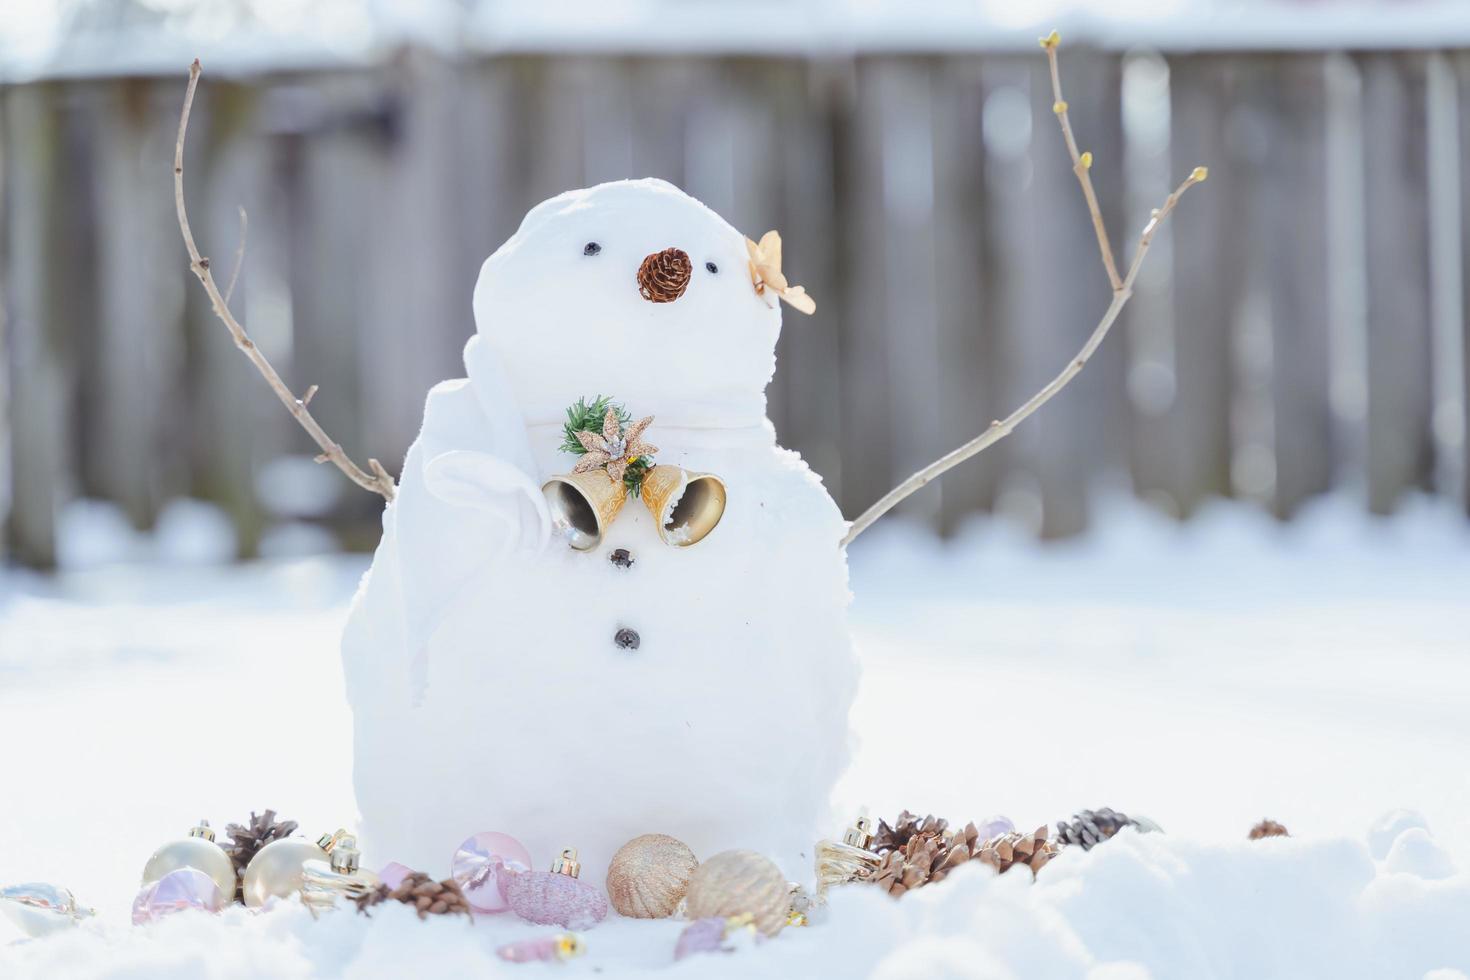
{"x":1302,"y":324}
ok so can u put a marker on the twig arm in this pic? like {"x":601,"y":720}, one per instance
{"x":1081,"y":162}
{"x":378,"y":480}
{"x":1122,"y":290}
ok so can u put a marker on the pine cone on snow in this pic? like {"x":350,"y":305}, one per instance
{"x":1008,"y":850}
{"x":428,"y":896}
{"x":904,"y":829}
{"x":246,"y":841}
{"x":1268,"y":828}
{"x":1091,"y":827}
{"x":926,"y":858}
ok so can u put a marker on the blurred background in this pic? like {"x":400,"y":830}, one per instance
{"x":1300,"y":326}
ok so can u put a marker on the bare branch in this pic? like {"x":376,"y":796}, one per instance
{"x":1081,"y":162}
{"x":239,"y":254}
{"x":1123,"y":289}
{"x":378,"y":481}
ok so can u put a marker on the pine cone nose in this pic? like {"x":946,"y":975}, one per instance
{"x":663,"y":276}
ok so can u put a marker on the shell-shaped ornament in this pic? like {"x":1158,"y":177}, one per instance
{"x":740,"y":882}
{"x":649,"y":875}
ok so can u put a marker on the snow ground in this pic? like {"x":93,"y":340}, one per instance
{"x":1209,"y":675}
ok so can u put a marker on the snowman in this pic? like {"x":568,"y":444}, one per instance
{"x":518,"y":661}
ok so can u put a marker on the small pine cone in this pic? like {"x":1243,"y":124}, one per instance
{"x":1268,"y":828}
{"x":925,"y":858}
{"x":964,"y":845}
{"x":908,"y":867}
{"x":663,"y":276}
{"x":428,"y":896}
{"x":1008,"y":850}
{"x":904,"y":829}
{"x":246,"y":841}
{"x":1091,"y":827}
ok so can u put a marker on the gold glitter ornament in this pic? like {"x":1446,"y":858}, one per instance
{"x":649,"y":875}
{"x":740,"y":882}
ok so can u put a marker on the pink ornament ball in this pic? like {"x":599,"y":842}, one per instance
{"x":185,"y":888}
{"x":547,"y":898}
{"x":482,"y":864}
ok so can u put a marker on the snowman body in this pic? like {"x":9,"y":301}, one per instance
{"x":487,"y":686}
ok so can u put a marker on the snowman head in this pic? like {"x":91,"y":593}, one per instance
{"x":631,"y":289}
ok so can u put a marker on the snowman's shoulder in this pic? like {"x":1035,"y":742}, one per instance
{"x":791,"y":492}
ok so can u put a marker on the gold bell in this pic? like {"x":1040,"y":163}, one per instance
{"x":583,"y":506}
{"x":685,"y":506}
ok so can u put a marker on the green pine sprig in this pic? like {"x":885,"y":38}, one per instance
{"x":587,"y":416}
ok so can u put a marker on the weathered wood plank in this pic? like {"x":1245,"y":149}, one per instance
{"x":1008,"y":129}
{"x":7,"y":462}
{"x":38,"y":338}
{"x":1291,"y":242}
{"x":910,"y":312}
{"x":412,"y":317}
{"x":234,"y":423}
{"x":1400,"y":445}
{"x":136,"y":454}
{"x":808,"y":357}
{"x":1462,"y":71}
{"x":967,"y":397}
{"x":1039,"y":233}
{"x":1076,"y":431}
{"x":1210,"y":251}
{"x":1146,"y":327}
{"x":868,"y":430}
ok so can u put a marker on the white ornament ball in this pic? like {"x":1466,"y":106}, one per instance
{"x":198,"y":852}
{"x":277,"y":870}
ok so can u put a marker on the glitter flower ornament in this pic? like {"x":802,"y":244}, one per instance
{"x":765,"y":273}
{"x":615,"y":448}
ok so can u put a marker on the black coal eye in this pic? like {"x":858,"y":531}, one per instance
{"x":591,"y":248}
{"x":711,"y":267}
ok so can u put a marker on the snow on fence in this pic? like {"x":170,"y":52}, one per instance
{"x":1302,"y":325}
